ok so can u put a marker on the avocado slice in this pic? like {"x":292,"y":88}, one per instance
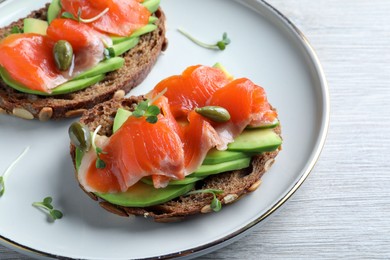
{"x":54,"y":10}
{"x":120,"y":117}
{"x":152,"y":19}
{"x":256,"y":140}
{"x":32,"y":25}
{"x":143,"y":30}
{"x":144,"y":195}
{"x":224,"y":70}
{"x":151,"y":5}
{"x":186,"y":180}
{"x":215,"y":156}
{"x":102,"y":68}
{"x":273,"y":124}
{"x":122,"y":47}
{"x":206,"y":170}
{"x":67,"y":87}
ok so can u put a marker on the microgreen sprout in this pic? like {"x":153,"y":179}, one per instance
{"x":149,"y":111}
{"x":16,"y":29}
{"x":46,"y":205}
{"x":8,"y":171}
{"x":100,"y":164}
{"x":216,"y":204}
{"x":220,"y":45}
{"x":79,"y":19}
{"x":144,"y":108}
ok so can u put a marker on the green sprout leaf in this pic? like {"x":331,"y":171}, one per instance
{"x":16,"y":29}
{"x":216,"y":204}
{"x":47,"y":206}
{"x":8,"y":171}
{"x":143,"y":105}
{"x":149,"y":111}
{"x":220,"y":45}
{"x":100,"y":164}
{"x":153,"y":110}
{"x":152,"y":119}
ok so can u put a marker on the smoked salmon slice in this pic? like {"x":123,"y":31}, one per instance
{"x":122,"y":18}
{"x":191,"y":89}
{"x":28,"y":59}
{"x":198,"y":138}
{"x":247,"y":105}
{"x":136,"y":150}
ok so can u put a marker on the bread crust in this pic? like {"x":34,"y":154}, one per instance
{"x":138,"y":63}
{"x":235,"y":184}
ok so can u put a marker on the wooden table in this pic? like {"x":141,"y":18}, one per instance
{"x":343,"y":209}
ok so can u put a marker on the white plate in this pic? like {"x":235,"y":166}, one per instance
{"x":265,"y":47}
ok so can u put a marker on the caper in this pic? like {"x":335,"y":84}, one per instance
{"x":215,"y":113}
{"x":80,"y":136}
{"x":63,"y":54}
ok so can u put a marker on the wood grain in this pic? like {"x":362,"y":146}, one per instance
{"x":343,"y":209}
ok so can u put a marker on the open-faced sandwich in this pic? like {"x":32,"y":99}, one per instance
{"x":197,"y":141}
{"x":73,"y":54}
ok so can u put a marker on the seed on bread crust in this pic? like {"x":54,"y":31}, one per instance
{"x":230,"y":198}
{"x":206,"y":209}
{"x":268,"y":164}
{"x":22,"y":113}
{"x":45,"y":114}
{"x":255,"y":186}
{"x":76,"y":112}
{"x":119,"y":94}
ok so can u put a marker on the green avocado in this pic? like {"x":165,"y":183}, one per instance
{"x":186,"y":180}
{"x":102,"y":68}
{"x":120,"y":117}
{"x":224,"y":70}
{"x":54,"y":10}
{"x":32,"y":25}
{"x":215,"y":156}
{"x":144,"y":195}
{"x":143,"y":30}
{"x":256,"y":141}
{"x":273,"y":124}
{"x":152,"y":19}
{"x":124,"y":46}
{"x":206,"y":170}
{"x":67,"y":87}
{"x":151,"y":5}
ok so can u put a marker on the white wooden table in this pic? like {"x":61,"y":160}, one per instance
{"x":343,"y":209}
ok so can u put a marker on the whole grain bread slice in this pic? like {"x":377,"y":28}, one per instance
{"x":138,"y":63}
{"x":235,"y":184}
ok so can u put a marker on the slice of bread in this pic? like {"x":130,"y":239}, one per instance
{"x":138,"y":63}
{"x":235,"y":184}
